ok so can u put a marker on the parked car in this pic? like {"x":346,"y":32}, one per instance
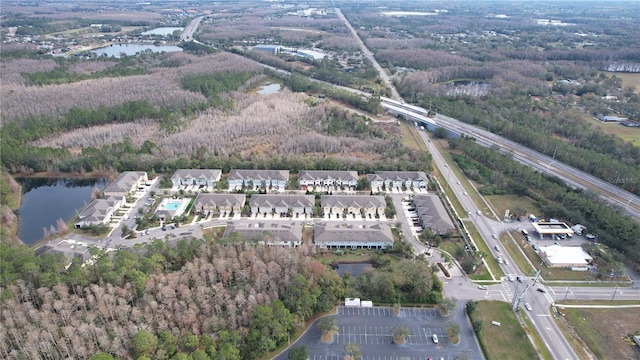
{"x":435,"y":338}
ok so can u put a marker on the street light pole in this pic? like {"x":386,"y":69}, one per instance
{"x":614,"y":293}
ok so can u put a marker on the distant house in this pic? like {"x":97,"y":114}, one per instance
{"x":611,"y":118}
{"x":126,"y":183}
{"x":432,"y":214}
{"x":201,"y":177}
{"x":70,"y":249}
{"x":368,"y":205}
{"x":398,"y":179}
{"x":219,"y":203}
{"x":295,"y":205}
{"x":264,"y":178}
{"x":287,"y":234}
{"x":271,"y":49}
{"x":328,"y":178}
{"x":630,"y":123}
{"x":338,"y":235}
{"x":99,"y":211}
{"x":310,"y":54}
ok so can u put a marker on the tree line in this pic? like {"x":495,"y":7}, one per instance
{"x":498,"y":174}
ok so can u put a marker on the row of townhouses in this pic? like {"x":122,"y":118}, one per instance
{"x":294,"y":205}
{"x":100,"y":211}
{"x":306,"y":178}
{"x":330,"y":235}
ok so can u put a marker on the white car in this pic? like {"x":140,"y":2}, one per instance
{"x":482,"y":287}
{"x":435,"y":338}
{"x":506,"y":262}
{"x":509,"y":277}
{"x":527,"y":306}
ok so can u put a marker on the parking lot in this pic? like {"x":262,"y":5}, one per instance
{"x":371,"y":329}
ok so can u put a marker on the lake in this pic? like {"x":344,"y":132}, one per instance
{"x":269,"y":89}
{"x":355,"y":269}
{"x":44,"y":201}
{"x":133,"y":49}
{"x":164,"y":31}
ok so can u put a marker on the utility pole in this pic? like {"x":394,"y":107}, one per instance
{"x":515,"y":305}
{"x":614,"y":293}
{"x":567,"y":293}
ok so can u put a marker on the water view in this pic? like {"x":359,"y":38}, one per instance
{"x":44,"y":201}
{"x":164,"y":31}
{"x":133,"y":49}
{"x":354,"y":269}
{"x":269,"y":89}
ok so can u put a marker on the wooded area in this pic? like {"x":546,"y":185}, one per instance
{"x":221,"y":300}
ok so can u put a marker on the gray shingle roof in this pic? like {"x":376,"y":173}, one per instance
{"x":259,"y":174}
{"x":398,"y":176}
{"x":327,"y":174}
{"x":344,"y":201}
{"x":267,"y":231}
{"x":282,"y":200}
{"x":197,"y":174}
{"x":220,"y":200}
{"x":352,"y":233}
{"x":432,"y":213}
{"x":124,"y":182}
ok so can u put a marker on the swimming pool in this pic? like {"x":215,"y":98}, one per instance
{"x":170,"y":208}
{"x":173,"y":205}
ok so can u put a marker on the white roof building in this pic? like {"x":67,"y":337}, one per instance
{"x":557,"y":256}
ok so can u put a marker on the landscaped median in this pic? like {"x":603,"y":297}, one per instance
{"x":506,"y":341}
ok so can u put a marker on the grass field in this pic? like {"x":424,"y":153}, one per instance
{"x":410,"y":137}
{"x":604,"y":330}
{"x":628,"y":80}
{"x":501,"y":203}
{"x":507,"y":341}
{"x":629,"y":134}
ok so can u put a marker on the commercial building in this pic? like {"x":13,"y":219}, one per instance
{"x":571,"y":257}
{"x":287,"y":234}
{"x":340,"y":235}
{"x":551,"y":228}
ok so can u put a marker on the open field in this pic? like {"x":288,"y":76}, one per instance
{"x":629,"y":134}
{"x":501,"y":203}
{"x":605,"y":330}
{"x":628,"y":80}
{"x":507,"y":341}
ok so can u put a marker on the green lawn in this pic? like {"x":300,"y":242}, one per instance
{"x":507,"y":341}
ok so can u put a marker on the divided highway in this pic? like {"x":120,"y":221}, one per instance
{"x":625,"y":200}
